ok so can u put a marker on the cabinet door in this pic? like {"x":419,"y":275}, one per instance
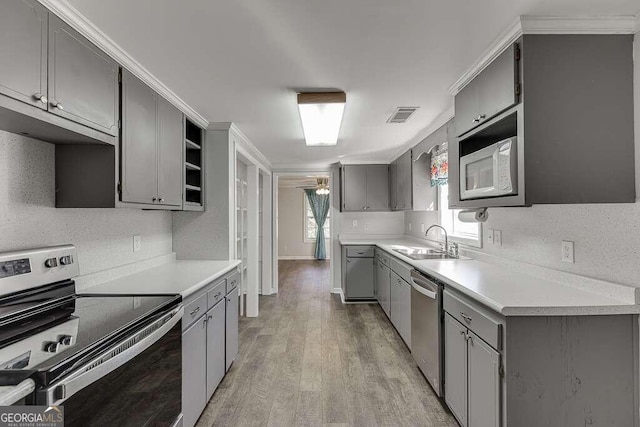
{"x":393,"y":186}
{"x":404,"y":305}
{"x":231,"y":335}
{"x":377,"y":187}
{"x":385,"y":290}
{"x":455,"y":368}
{"x":139,"y":167}
{"x":354,"y":186}
{"x":467,"y":107}
{"x":497,"y":85}
{"x":23,"y":43}
{"x":170,"y":162}
{"x":359,"y":278}
{"x":404,"y":182}
{"x":394,"y":300}
{"x":378,"y":279}
{"x":484,"y":383}
{"x":194,"y":367}
{"x":216,"y":367}
{"x":83,"y":80}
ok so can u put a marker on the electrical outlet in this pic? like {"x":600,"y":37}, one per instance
{"x":137,"y":243}
{"x":568,"y":254}
{"x":137,"y":302}
{"x":497,"y":237}
{"x":366,"y":225}
{"x":354,"y":223}
{"x":423,"y":227}
{"x":410,"y":226}
{"x":489,"y":233}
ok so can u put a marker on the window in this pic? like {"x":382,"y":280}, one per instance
{"x":310,"y":226}
{"x":462,"y":232}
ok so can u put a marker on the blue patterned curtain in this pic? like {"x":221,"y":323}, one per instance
{"x":319,"y":204}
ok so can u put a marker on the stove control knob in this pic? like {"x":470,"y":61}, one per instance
{"x":51,"y":262}
{"x":65,"y":339}
{"x":66,"y":260}
{"x":50,"y":346}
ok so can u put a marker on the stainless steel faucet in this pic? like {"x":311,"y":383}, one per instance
{"x":446,"y":236}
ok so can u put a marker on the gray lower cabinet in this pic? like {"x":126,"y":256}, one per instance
{"x":231,"y":331}
{"x":151,"y":144}
{"x":216,"y":325}
{"x":194,"y":367}
{"x":483,"y":382}
{"x":455,"y":368}
{"x":82,"y":79}
{"x":400,"y":306}
{"x":23,"y":72}
{"x":365,"y":188}
{"x":358,"y":271}
{"x":383,"y":282}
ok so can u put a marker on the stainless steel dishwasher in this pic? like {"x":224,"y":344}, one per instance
{"x":426,"y":328}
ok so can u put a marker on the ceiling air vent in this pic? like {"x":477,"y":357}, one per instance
{"x":402,"y":114}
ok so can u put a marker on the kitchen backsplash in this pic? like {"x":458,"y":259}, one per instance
{"x":368,"y":223}
{"x":28,"y":217}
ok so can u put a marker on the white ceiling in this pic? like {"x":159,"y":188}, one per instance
{"x":244,"y":60}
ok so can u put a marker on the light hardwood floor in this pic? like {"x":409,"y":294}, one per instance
{"x":310,"y":360}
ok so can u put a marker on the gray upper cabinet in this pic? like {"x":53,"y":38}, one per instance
{"x":152,"y":142}
{"x":170,"y":154}
{"x":365,"y":188}
{"x":82,"y":80}
{"x":139,"y":141}
{"x":401,"y":183}
{"x":494,"y":90}
{"x":23,"y":70}
{"x":393,"y":185}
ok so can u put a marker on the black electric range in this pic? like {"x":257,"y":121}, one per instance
{"x":92,"y":354}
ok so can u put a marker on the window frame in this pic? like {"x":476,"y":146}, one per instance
{"x":327,"y":224}
{"x":449,"y":223}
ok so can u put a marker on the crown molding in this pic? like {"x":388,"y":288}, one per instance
{"x":80,"y":23}
{"x":243,"y":144}
{"x":435,"y":124}
{"x":546,"y":25}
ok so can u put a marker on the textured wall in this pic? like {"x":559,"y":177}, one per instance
{"x":291,"y":225}
{"x":28,"y":217}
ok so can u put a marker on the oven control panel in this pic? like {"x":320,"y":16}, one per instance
{"x":26,"y":269}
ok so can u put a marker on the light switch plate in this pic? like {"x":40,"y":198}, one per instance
{"x":568,"y":253}
{"x":489,"y":236}
{"x":354,"y":223}
{"x":137,"y":243}
{"x":497,"y":237}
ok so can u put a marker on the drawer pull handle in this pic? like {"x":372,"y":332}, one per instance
{"x":194,"y":312}
{"x":465,"y":317}
{"x":360,"y":253}
{"x":233,"y":282}
{"x":217,"y":295}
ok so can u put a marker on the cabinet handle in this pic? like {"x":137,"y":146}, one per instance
{"x":40,"y":97}
{"x":216,"y":296}
{"x":464,"y":335}
{"x":161,"y":199}
{"x":194,"y":312}
{"x":153,"y":199}
{"x":57,"y":105}
{"x":465,"y":317}
{"x":204,"y":321}
{"x":470,"y":339}
{"x":479,"y":118}
{"x":209,"y":317}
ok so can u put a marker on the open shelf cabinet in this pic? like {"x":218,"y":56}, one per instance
{"x":193,"y":167}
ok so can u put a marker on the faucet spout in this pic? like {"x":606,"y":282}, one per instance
{"x":446,"y":236}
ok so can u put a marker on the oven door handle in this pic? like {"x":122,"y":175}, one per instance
{"x":113,"y":358}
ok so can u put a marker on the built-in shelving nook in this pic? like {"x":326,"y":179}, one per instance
{"x":193,"y":172}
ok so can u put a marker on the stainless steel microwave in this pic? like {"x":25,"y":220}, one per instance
{"x":490,"y":172}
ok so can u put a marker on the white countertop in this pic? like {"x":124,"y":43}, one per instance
{"x":504,"y":290}
{"x":177,"y":277}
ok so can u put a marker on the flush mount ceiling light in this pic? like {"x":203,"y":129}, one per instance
{"x":321,"y":115}
{"x":323,"y":186}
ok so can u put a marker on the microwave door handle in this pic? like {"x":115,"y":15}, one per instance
{"x":85,"y":375}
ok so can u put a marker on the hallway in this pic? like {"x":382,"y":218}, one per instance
{"x":310,"y":360}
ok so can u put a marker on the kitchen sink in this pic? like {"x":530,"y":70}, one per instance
{"x":424,"y":253}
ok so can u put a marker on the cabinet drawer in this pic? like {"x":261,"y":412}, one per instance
{"x":401,"y":269}
{"x":360,"y":251}
{"x":216,"y":294}
{"x":193,"y":310}
{"x":233,"y":281}
{"x":480,"y":321}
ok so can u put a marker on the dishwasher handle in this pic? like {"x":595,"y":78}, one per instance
{"x":424,"y":285}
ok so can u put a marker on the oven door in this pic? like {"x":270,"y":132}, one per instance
{"x":490,"y":172}
{"x":136,"y":382}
